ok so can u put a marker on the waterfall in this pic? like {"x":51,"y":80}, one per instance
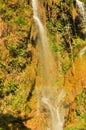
{"x":82,"y":10}
{"x":49,"y":67}
{"x":83,"y":13}
{"x":46,"y":58}
{"x":57,"y":123}
{"x":82,"y":51}
{"x":56,"y":110}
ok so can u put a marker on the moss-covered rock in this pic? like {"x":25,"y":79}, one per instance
{"x":17,"y":56}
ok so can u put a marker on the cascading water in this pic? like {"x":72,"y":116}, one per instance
{"x":49,"y":97}
{"x":46,"y":56}
{"x":82,"y":10}
{"x":82,"y":51}
{"x":83,"y":13}
{"x":56,"y":110}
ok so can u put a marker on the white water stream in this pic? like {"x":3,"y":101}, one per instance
{"x":82,"y":10}
{"x":82,"y":51}
{"x":46,"y":58}
{"x":54,"y":106}
{"x":81,"y":7}
{"x":56,"y":110}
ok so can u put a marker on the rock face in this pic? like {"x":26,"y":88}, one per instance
{"x":66,"y":32}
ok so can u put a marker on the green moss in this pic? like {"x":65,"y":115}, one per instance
{"x":3,"y":67}
{"x":20,"y":20}
{"x":2,"y":7}
{"x":10,"y":88}
{"x":79,"y":113}
{"x":16,"y":17}
{"x":65,"y":67}
{"x":14,"y":52}
{"x":60,"y":28}
{"x":79,"y":99}
{"x":17,"y":50}
{"x":70,"y":3}
{"x":74,"y":128}
{"x":54,"y":47}
{"x":84,"y":1}
{"x":1,"y":129}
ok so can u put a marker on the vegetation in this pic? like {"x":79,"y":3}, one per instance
{"x":18,"y":58}
{"x":16,"y":63}
{"x":80,"y":113}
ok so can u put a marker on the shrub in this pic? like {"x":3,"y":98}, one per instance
{"x":13,"y":50}
{"x":14,"y":63}
{"x":17,"y":50}
{"x":10,"y":88}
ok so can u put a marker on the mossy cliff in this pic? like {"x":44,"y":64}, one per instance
{"x":19,"y":60}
